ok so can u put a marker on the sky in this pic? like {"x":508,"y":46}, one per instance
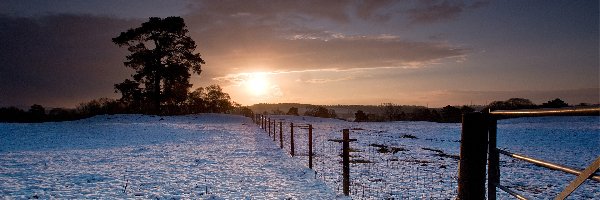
{"x":411,"y":52}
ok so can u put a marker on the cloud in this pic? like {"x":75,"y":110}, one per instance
{"x":329,"y":74}
{"x":263,"y":47}
{"x":122,"y":9}
{"x":325,"y":80}
{"x":371,"y":10}
{"x":255,"y":36}
{"x":276,"y":10}
{"x":365,"y":52}
{"x":430,"y":11}
{"x":341,"y":11}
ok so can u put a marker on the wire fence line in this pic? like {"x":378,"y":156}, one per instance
{"x":380,"y":167}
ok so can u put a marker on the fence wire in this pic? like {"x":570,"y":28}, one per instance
{"x":380,"y":166}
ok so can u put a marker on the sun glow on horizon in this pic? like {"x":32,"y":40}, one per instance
{"x":257,"y":84}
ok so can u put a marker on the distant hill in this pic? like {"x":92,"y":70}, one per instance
{"x":342,"y":111}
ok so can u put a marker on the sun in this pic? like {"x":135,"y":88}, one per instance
{"x":257,"y":84}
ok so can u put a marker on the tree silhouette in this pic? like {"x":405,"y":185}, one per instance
{"x":293,"y":111}
{"x":511,"y":104}
{"x":360,"y":116}
{"x":391,"y":111}
{"x":12,"y":114}
{"x":37,"y":112}
{"x":162,"y":55}
{"x":466,"y":109}
{"x":131,"y":94}
{"x":451,"y":114}
{"x":320,"y":111}
{"x":217,"y":100}
{"x":196,"y":101}
{"x":556,"y":103}
{"x":211,"y":99}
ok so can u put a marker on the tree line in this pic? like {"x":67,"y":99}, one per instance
{"x":211,"y":99}
{"x":451,"y":114}
{"x":393,"y":112}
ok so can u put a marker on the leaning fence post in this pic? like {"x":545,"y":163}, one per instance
{"x":494,"y":159}
{"x":310,"y":147}
{"x":346,"y":161}
{"x":281,"y":135}
{"x":292,"y":139}
{"x":473,"y":155}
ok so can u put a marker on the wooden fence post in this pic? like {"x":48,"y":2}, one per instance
{"x":274,"y":131}
{"x":346,"y":161}
{"x":310,"y":147}
{"x":281,"y":135}
{"x":473,"y":155}
{"x":269,"y":124}
{"x":494,"y":159}
{"x":292,"y":139}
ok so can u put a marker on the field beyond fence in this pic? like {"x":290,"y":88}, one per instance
{"x":389,"y":161}
{"x":381,"y":166}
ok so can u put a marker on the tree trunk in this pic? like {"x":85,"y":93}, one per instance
{"x":157,"y":93}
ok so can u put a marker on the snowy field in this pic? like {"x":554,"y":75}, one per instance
{"x":134,"y":156}
{"x":419,"y":160}
{"x":228,"y":157}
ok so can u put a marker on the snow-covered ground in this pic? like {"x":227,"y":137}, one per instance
{"x":134,"y":156}
{"x":222,"y":156}
{"x":424,"y":163}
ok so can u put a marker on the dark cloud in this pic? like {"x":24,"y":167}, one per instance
{"x":254,"y":47}
{"x":417,"y":11}
{"x":369,"y":10}
{"x":430,"y":11}
{"x":269,"y":10}
{"x":117,"y":8}
{"x":59,"y":60}
{"x":366,"y":52}
{"x":237,"y":36}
